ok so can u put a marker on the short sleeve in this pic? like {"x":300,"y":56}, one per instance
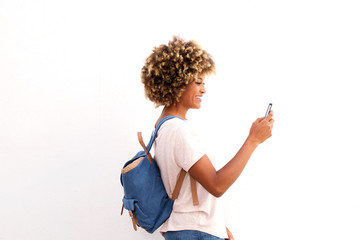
{"x":188,"y":148}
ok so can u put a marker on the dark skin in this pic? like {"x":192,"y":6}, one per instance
{"x":217,"y":182}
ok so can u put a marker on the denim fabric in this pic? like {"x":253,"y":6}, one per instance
{"x":189,"y":235}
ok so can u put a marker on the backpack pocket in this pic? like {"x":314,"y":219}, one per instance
{"x":142,"y":219}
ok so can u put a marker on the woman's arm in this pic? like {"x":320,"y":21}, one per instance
{"x":217,"y":182}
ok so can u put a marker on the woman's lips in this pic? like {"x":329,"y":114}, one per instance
{"x":198,"y":98}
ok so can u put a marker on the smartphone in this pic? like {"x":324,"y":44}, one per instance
{"x":268,"y":109}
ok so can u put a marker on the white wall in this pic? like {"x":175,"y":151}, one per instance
{"x":71,"y":102}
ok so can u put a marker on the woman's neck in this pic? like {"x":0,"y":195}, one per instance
{"x":175,"y":110}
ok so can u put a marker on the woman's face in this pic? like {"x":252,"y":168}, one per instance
{"x":191,"y":97}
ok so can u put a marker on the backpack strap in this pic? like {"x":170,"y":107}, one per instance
{"x":182,"y":174}
{"x":141,"y":141}
{"x":153,"y":136}
{"x":179,"y":183}
{"x":194,"y":191}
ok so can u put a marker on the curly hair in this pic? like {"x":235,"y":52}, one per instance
{"x":170,"y":68}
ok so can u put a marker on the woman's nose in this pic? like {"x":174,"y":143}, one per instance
{"x":203,"y":89}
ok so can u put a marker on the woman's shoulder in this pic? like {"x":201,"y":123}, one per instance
{"x":178,"y":128}
{"x":174,"y":124}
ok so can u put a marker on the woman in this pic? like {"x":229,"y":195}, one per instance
{"x":173,"y":77}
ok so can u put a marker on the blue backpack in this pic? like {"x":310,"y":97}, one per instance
{"x":145,"y":196}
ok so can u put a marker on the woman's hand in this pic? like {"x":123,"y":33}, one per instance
{"x":217,"y":182}
{"x":261,"y":129}
{"x":230,"y":236}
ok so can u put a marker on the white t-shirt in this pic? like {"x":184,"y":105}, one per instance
{"x":177,"y":146}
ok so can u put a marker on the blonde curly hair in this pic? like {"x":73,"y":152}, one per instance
{"x":170,"y":68}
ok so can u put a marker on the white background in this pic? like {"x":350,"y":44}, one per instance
{"x":71,"y":101}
